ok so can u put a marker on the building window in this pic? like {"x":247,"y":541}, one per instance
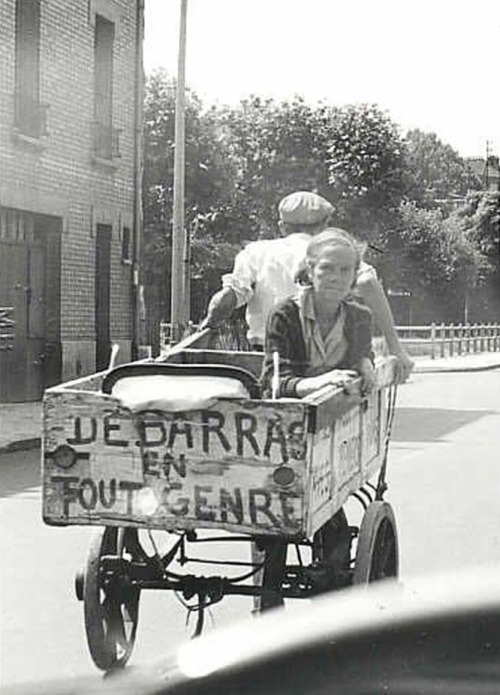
{"x":30,"y":116}
{"x":105,"y":137}
{"x":126,"y":245}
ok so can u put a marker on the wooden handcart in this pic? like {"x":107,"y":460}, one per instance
{"x":272,"y":473}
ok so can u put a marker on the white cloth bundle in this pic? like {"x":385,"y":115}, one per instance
{"x":174,"y":393}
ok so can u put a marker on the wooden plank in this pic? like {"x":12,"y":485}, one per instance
{"x":345,"y":453}
{"x":385,"y":368}
{"x":208,"y":468}
{"x":199,"y":340}
{"x":321,"y":483}
{"x":371,"y":434}
{"x":346,"y":456}
{"x":89,"y":382}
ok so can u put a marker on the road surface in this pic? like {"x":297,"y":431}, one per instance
{"x":444,"y":479}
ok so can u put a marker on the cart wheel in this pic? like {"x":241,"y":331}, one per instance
{"x":377,"y":555}
{"x":110,"y":607}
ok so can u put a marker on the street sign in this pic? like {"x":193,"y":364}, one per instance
{"x":399,"y":293}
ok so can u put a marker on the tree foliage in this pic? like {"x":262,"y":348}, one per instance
{"x":480,"y":218}
{"x":365,"y":166}
{"x":209,"y":181}
{"x":240,"y":161}
{"x":479,"y":221}
{"x":433,"y":259}
{"x":436,"y":174}
{"x":278,"y":148}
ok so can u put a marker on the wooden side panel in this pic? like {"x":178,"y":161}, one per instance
{"x":345,"y":452}
{"x":239,"y":465}
{"x":321,"y":479}
{"x":371,"y":414}
{"x":385,"y":368}
{"x":346,"y":457}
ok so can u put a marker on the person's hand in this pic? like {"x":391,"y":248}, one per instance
{"x":404,"y":367}
{"x":208,"y":322}
{"x":343,"y":378}
{"x":368,"y":377}
{"x":220,"y":308}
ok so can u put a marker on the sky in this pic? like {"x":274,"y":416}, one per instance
{"x":431,"y":64}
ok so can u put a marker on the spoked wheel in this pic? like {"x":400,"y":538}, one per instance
{"x":111,"y":602}
{"x":377,"y":555}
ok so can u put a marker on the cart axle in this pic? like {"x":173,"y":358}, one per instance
{"x":299,"y":581}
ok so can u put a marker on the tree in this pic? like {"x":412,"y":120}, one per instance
{"x":279,"y":148}
{"x":209,"y":183}
{"x":365,"y":167}
{"x":479,"y":220}
{"x":208,"y":167}
{"x":432,"y":258}
{"x":241,"y":161}
{"x":480,"y":217}
{"x":437,"y":175}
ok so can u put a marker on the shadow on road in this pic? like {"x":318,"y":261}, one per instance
{"x":19,"y":470}
{"x":431,"y":424}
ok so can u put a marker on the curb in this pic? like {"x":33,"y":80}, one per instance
{"x":431,"y":369}
{"x":21,"y":445}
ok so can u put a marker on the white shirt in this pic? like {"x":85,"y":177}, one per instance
{"x":264,"y":274}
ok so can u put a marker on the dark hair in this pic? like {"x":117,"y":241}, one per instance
{"x":329,"y":237}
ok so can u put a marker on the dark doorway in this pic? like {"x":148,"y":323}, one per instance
{"x":30,"y":285}
{"x":102,"y":295}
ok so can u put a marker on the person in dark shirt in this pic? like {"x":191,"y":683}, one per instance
{"x":321,"y":335}
{"x":264,"y":275}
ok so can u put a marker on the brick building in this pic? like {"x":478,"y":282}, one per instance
{"x":70,"y":110}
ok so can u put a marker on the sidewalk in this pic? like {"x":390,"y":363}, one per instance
{"x":463,"y":363}
{"x":20,"y":423}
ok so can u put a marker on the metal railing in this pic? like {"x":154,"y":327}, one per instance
{"x":449,"y":340}
{"x":434,"y":340}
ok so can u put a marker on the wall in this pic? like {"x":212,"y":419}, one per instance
{"x":58,"y":175}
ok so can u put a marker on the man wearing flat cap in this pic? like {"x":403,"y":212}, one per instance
{"x":264,"y":274}
{"x":264,"y":271}
{"x":304,"y":208}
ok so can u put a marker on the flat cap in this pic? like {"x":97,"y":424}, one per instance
{"x":304,"y":207}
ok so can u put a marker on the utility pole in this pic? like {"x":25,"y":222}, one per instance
{"x":178,"y":283}
{"x":139,"y":321}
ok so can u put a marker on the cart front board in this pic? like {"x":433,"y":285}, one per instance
{"x":262,"y":467}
